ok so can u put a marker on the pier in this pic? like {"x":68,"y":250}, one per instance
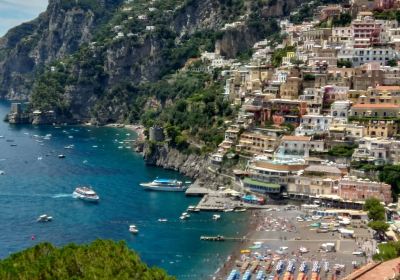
{"x":197,"y":190}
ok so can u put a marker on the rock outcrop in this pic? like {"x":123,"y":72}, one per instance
{"x":191,"y":165}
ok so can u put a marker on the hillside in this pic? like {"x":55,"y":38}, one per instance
{"x":101,"y":53}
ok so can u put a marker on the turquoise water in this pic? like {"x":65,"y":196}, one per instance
{"x":32,"y":187}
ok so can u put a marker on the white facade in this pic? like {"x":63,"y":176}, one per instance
{"x":340,"y":109}
{"x":359,"y":56}
{"x":313,"y":124}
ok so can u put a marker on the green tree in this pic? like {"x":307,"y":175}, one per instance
{"x":379,"y":226}
{"x":102,"y":259}
{"x":344,"y":63}
{"x":376,"y":211}
{"x":392,"y":62}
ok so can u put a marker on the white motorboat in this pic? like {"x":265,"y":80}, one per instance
{"x":86,"y":193}
{"x":228,"y":210}
{"x":241,"y":210}
{"x":184,"y":216}
{"x":133,"y":229}
{"x":44,"y":218}
{"x":2,"y":172}
{"x":162,"y":220}
{"x":61,"y":156}
{"x":69,"y":146}
{"x":216,"y":217}
{"x":192,"y":208}
{"x":165,"y":185}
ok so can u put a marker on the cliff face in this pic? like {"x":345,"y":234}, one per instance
{"x":194,"y":166}
{"x":101,"y":69}
{"x":56,"y":33}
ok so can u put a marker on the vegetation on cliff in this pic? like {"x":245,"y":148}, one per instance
{"x":101,"y":259}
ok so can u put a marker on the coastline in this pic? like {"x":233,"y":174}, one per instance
{"x":230,"y":263}
{"x":137,"y":128}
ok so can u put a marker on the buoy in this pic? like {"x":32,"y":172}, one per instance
{"x":33,"y":237}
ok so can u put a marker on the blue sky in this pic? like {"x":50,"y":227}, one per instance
{"x":14,"y":12}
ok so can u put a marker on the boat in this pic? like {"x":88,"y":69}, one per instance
{"x":2,"y":172}
{"x":69,"y":146}
{"x":133,"y":229}
{"x":165,"y":185}
{"x":44,"y":218}
{"x":228,"y":210}
{"x":241,"y":210}
{"x":86,"y":193}
{"x":184,"y":216}
{"x":61,"y":156}
{"x":216,"y":217}
{"x":162,"y":220}
{"x":192,"y":208}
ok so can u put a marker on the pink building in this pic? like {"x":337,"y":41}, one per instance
{"x":352,"y":188}
{"x":384,"y":4}
{"x":366,"y":32}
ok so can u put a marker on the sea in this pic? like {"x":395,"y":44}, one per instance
{"x":36,"y":181}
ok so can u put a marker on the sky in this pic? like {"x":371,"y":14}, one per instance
{"x":14,"y":12}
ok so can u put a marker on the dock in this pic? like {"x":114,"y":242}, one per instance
{"x":197,"y":190}
{"x":212,"y":238}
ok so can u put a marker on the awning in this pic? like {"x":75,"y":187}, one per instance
{"x":249,"y":181}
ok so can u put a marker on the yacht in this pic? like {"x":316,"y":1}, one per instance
{"x":61,"y":156}
{"x":44,"y":218}
{"x":167,"y":185}
{"x":133,"y":229}
{"x":86,"y":193}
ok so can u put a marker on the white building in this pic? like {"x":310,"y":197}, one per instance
{"x":359,"y":56}
{"x":313,"y":124}
{"x":340,"y":110}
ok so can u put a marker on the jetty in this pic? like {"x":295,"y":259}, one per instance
{"x":212,"y":238}
{"x":196,"y":189}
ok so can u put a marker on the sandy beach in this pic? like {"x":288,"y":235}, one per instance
{"x":137,"y":128}
{"x":280,"y":228}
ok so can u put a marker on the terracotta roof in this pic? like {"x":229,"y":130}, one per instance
{"x":296,"y":138}
{"x":323,"y":169}
{"x":385,"y":270}
{"x":388,"y":87}
{"x":376,"y":106}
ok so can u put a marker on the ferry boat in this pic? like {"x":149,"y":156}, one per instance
{"x":167,"y":185}
{"x":86,"y":193}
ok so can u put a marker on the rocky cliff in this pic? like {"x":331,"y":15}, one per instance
{"x":102,"y":50}
{"x":191,"y":165}
{"x":56,"y":33}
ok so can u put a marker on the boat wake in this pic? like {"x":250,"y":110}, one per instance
{"x":62,"y":195}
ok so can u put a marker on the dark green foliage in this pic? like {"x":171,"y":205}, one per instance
{"x":101,"y":259}
{"x":392,"y":62}
{"x":278,"y":54}
{"x":376,"y":211}
{"x":388,"y":251}
{"x":197,"y":111}
{"x":342,"y":20}
{"x":388,"y":15}
{"x":342,"y":151}
{"x":344,"y":63}
{"x":379,"y":226}
{"x":390,"y":174}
